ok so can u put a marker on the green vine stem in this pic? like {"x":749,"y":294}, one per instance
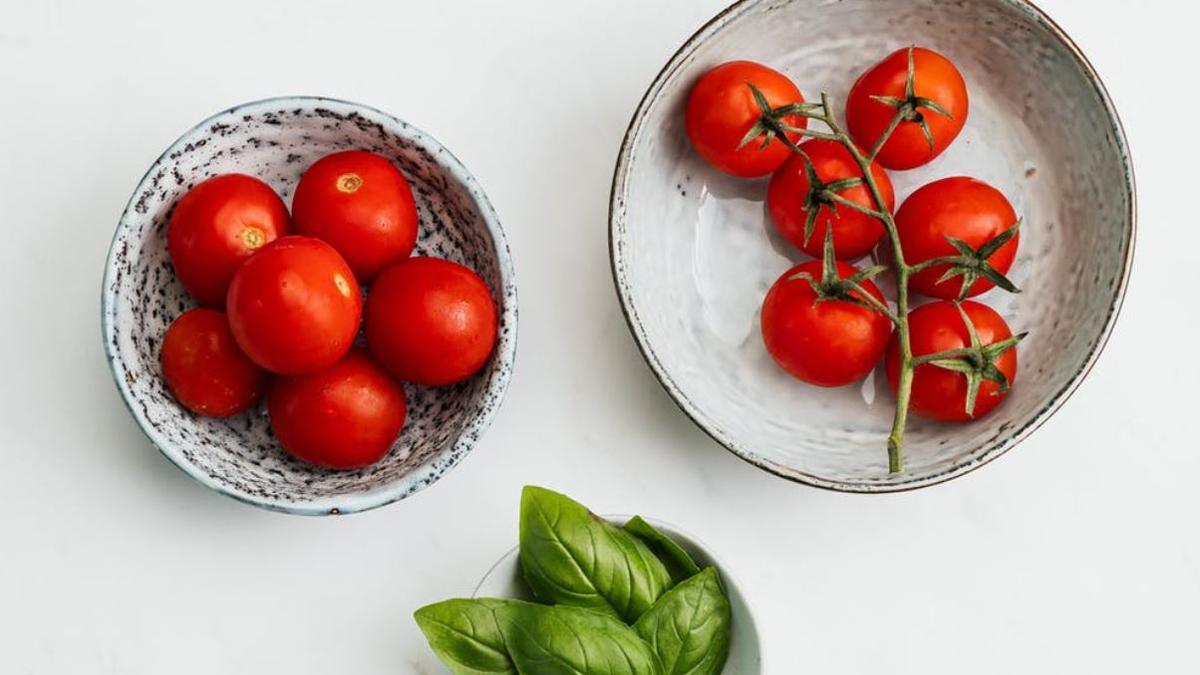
{"x":823,"y":113}
{"x":895,"y":441}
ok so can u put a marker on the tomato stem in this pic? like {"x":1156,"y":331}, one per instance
{"x":903,"y":270}
{"x":896,"y":120}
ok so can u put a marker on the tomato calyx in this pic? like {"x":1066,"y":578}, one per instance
{"x":909,"y":107}
{"x":821,"y":195}
{"x":972,"y":263}
{"x":976,"y":362}
{"x":831,"y":286}
{"x":771,"y":123}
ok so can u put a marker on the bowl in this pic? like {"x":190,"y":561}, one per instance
{"x":693,"y":252}
{"x":276,"y":140}
{"x":504,"y":580}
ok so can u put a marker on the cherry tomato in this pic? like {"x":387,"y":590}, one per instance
{"x":941,"y":394}
{"x":216,"y":226}
{"x":721,"y":110}
{"x":430,"y":321}
{"x":360,"y":204}
{"x":828,"y":343}
{"x":294,"y":306}
{"x":968,"y":210}
{"x":854,"y":233}
{"x":204,"y":368}
{"x":343,"y":417}
{"x":934,"y":79}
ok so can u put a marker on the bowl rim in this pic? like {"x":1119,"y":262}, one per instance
{"x":617,"y":225}
{"x":511,"y":556}
{"x":433,"y":468}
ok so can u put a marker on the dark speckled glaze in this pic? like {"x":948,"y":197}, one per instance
{"x":276,"y":140}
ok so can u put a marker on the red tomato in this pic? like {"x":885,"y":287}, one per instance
{"x":941,"y":394}
{"x":828,"y":343}
{"x":935,"y":79}
{"x":721,"y":110}
{"x":964,"y":208}
{"x":344,"y":417}
{"x":204,"y":368}
{"x":216,"y":226}
{"x":430,"y":321}
{"x":294,"y":307}
{"x":360,"y":204}
{"x":854,"y":233}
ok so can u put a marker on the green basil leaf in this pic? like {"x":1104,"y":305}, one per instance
{"x":563,"y":640}
{"x":570,"y":556}
{"x":678,"y":562}
{"x":689,"y":627}
{"x":466,"y":636}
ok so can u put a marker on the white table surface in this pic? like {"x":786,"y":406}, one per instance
{"x":1079,"y":552}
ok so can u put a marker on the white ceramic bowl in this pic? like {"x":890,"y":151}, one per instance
{"x":276,"y":140}
{"x":504,"y":580}
{"x":693,"y":251}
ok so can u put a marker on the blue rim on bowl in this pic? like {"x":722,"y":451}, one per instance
{"x":500,"y":366}
{"x":618,"y":227}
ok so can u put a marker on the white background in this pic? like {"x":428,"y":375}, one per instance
{"x":1079,"y":552}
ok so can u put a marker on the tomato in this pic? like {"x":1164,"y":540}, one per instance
{"x":854,"y":233}
{"x":294,"y":306}
{"x":721,"y":110}
{"x":204,"y":368}
{"x":827,"y":342}
{"x":360,"y":204}
{"x":941,"y":394}
{"x":936,"y":80}
{"x":343,"y":417}
{"x":430,"y":321}
{"x":216,"y":226}
{"x":966,"y":209}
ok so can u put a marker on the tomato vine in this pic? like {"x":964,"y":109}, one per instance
{"x":975,"y":363}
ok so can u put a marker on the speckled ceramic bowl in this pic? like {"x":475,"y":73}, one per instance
{"x":694,"y":253}
{"x":276,"y":140}
{"x":504,"y":580}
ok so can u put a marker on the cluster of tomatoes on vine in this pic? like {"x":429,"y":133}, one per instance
{"x":282,"y":301}
{"x":825,"y":321}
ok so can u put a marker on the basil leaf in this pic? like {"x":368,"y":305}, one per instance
{"x":572,"y":557}
{"x":466,"y":636}
{"x":689,"y":627}
{"x":562,"y":640}
{"x":678,"y":562}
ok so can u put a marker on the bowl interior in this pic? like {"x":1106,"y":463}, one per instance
{"x":276,"y":140}
{"x":694,"y":252}
{"x":504,"y":581}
